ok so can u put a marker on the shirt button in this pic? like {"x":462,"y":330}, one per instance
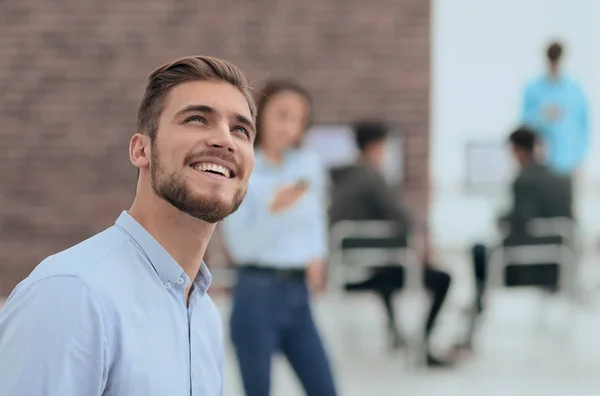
{"x":180,"y":281}
{"x":195,"y":374}
{"x":167,"y":285}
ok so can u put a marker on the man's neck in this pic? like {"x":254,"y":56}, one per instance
{"x":182,"y":236}
{"x":554,"y":73}
{"x":527,"y":162}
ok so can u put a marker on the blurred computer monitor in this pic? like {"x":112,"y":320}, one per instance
{"x":335,"y":145}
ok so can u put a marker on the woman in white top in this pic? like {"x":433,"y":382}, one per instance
{"x":278,"y":239}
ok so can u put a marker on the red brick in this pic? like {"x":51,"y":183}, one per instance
{"x":71,"y":74}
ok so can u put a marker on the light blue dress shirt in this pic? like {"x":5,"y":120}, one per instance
{"x":289,"y":239}
{"x":567,"y":138}
{"x":109,"y":317}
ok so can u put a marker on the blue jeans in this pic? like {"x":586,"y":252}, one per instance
{"x":271,"y":314}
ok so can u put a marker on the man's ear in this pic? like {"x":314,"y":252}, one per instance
{"x":139,"y":151}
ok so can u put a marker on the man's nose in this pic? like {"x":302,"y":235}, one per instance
{"x":221,"y":137}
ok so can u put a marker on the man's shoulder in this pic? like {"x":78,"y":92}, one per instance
{"x":81,"y":260}
{"x":575,"y":86}
{"x":542,"y":82}
{"x":571,"y":81}
{"x":540,"y":175}
{"x":370,"y":177}
{"x":529,"y":175}
{"x":364,"y":173}
{"x":353,"y":176}
{"x":535,"y":83}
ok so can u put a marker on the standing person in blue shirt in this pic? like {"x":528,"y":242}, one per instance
{"x":125,"y":313}
{"x":555,"y":106}
{"x":278,"y":239}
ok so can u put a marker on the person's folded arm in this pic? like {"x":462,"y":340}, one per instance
{"x":53,"y":341}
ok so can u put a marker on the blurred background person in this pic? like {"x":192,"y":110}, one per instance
{"x":362,"y":193}
{"x":278,"y":239}
{"x":555,"y":105}
{"x":537,"y":192}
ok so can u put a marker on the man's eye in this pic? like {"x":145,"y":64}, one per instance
{"x":196,"y":119}
{"x":242,"y":130}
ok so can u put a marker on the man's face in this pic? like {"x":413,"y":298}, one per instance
{"x":521,"y":156}
{"x":376,"y":153}
{"x":203,"y":153}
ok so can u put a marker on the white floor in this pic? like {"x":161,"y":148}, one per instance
{"x":527,"y":346}
{"x":513,"y":357}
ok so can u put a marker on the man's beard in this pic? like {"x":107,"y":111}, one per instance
{"x":174,"y":189}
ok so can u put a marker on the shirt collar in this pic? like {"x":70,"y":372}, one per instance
{"x":170,"y":273}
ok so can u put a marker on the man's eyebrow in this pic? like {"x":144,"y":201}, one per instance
{"x":197,"y":109}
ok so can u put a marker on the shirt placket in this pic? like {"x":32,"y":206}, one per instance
{"x":177,"y":290}
{"x":194,"y":369}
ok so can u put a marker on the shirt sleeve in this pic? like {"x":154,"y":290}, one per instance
{"x":52,"y":341}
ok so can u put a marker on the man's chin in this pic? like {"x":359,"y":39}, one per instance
{"x":210,"y":213}
{"x":211,"y":210}
{"x":214,"y":198}
{"x":210,"y":205}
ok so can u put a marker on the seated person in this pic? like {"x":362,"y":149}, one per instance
{"x":537,"y":192}
{"x":361,"y":193}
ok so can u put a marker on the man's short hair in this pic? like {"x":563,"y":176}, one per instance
{"x":524,"y":138}
{"x":368,"y":132}
{"x":191,"y":68}
{"x":554,"y":52}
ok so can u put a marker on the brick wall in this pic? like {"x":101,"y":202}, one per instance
{"x":71,"y":72}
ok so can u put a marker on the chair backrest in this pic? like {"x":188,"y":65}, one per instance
{"x":346,"y":230}
{"x":553,"y":226}
{"x":563,"y":252}
{"x":547,"y":227}
{"x":361,"y":229}
{"x":367,"y":257}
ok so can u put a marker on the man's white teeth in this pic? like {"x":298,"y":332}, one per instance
{"x":213,"y":168}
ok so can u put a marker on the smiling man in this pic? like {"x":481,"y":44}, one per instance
{"x":125,"y":313}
